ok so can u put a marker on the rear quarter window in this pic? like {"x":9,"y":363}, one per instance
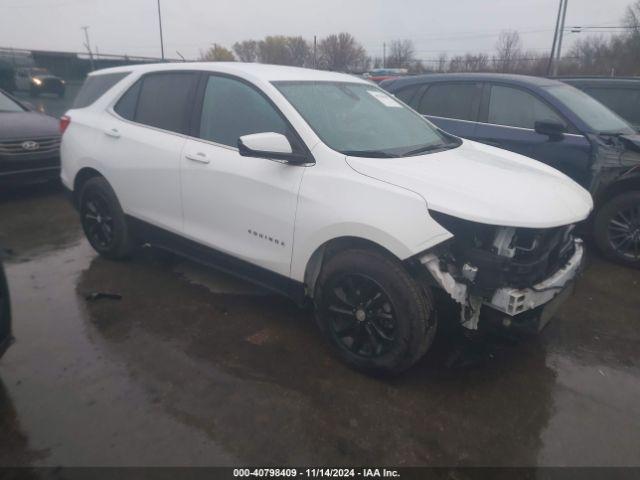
{"x":95,"y":86}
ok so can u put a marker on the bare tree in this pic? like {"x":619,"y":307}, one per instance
{"x":342,"y":53}
{"x":246,"y":51}
{"x":217,"y":53}
{"x":591,"y":55}
{"x":299,"y":51}
{"x":442,"y":62}
{"x":401,"y":54}
{"x":275,"y":50}
{"x":508,"y":51}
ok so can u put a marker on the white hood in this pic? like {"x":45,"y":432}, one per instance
{"x":485,"y":184}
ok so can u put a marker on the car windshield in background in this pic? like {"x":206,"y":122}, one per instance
{"x":362,"y":120}
{"x":593,"y":113}
{"x":8,"y":105}
{"x":38,"y":71}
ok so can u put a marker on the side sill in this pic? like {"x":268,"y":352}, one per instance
{"x":160,"y":238}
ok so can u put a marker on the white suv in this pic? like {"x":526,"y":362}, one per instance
{"x":321,"y":186}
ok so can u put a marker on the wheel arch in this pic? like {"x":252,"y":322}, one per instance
{"x":622,"y":185}
{"x":332,"y":246}
{"x":82,"y":176}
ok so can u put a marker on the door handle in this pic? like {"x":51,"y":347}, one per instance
{"x":112,"y":132}
{"x":199,"y":157}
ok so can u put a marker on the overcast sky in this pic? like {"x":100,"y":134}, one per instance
{"x":435,"y":26}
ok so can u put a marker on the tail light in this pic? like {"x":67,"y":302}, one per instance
{"x":65,"y":120}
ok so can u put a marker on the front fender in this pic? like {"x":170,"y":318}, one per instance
{"x":353,"y":205}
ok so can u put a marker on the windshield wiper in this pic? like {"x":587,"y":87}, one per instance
{"x":369,"y":153}
{"x":428,"y":148}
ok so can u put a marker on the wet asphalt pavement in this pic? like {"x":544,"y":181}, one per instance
{"x":193,"y":368}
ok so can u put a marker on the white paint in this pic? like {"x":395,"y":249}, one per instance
{"x":267,"y":142}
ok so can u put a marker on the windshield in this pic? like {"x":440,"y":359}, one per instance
{"x":362,"y":120}
{"x":8,"y":105}
{"x":38,"y":71}
{"x":597,"y":117}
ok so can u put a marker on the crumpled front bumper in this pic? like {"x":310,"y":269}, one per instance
{"x":513,"y":301}
{"x":510,"y":303}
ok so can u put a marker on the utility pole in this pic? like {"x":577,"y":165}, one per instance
{"x":88,"y":45}
{"x":384,"y":55}
{"x":160,"y":25}
{"x":315,"y":50}
{"x":560,"y":35}
{"x":555,"y":39}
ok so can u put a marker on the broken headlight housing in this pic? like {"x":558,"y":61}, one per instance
{"x":488,"y":257}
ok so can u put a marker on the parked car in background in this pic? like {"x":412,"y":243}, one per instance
{"x":37,"y":80}
{"x":29,"y":143}
{"x":552,"y":122}
{"x":380,"y":74}
{"x":238,"y":160}
{"x":621,"y":94}
{"x":5,"y":312}
{"x":7,"y":74}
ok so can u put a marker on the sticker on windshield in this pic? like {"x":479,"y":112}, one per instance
{"x":386,"y":100}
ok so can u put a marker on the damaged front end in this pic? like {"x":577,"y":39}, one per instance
{"x":617,"y":158}
{"x":506,"y":272}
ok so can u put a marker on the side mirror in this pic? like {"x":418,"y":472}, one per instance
{"x":269,"y":145}
{"x":554,"y":130}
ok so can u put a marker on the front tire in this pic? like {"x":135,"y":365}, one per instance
{"x":617,"y":229}
{"x":103,"y":220}
{"x":374,"y":314}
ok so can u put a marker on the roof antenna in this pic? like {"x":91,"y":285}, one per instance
{"x":180,"y":55}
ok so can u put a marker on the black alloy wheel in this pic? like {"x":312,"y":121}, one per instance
{"x":378,"y":318}
{"x":103,"y":220}
{"x":362,"y":316}
{"x":97,"y":221}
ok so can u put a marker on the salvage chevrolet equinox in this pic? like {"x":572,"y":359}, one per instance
{"x":323,"y":187}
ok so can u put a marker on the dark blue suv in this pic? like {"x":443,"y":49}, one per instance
{"x":552,"y":122}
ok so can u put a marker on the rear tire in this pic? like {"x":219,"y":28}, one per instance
{"x":103,"y":220}
{"x":617,"y":229}
{"x":374,"y":314}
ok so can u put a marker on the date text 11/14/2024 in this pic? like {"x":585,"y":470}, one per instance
{"x":316,"y":472}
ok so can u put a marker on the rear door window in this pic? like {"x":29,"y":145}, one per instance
{"x":95,"y":86}
{"x":452,"y":100}
{"x":514,"y":107}
{"x":164,"y":100}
